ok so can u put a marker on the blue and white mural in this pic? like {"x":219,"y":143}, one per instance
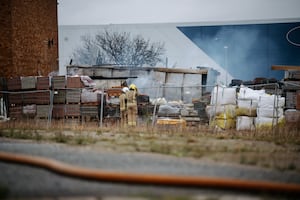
{"x":244,"y":51}
{"x":249,"y":51}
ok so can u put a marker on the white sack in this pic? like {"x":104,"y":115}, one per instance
{"x":223,"y":96}
{"x":245,"y":123}
{"x":248,"y":93}
{"x":269,"y":101}
{"x":228,"y":110}
{"x":269,"y":112}
{"x":267,"y":122}
{"x":247,"y":103}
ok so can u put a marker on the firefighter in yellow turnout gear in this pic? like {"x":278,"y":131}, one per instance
{"x":123,"y":107}
{"x":131,"y":96}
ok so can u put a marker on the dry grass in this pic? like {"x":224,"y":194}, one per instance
{"x":278,"y":149}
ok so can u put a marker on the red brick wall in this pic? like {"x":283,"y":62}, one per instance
{"x":5,"y":37}
{"x":25,"y":49}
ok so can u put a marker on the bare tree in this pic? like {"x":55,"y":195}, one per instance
{"x":119,"y":49}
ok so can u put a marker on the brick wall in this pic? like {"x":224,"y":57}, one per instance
{"x":29,"y":40}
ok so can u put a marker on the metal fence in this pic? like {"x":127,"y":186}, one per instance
{"x":194,"y":104}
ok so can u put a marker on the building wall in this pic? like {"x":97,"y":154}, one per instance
{"x":29,"y":37}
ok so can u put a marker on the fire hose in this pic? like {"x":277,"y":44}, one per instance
{"x":154,"y":179}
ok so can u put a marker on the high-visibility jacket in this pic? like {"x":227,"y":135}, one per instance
{"x":131,"y":98}
{"x":123,"y":100}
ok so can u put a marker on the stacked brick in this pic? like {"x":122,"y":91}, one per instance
{"x":24,"y":99}
{"x":58,"y":97}
{"x":292,"y":93}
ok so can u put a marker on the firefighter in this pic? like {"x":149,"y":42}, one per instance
{"x":132,"y":105}
{"x":123,"y":107}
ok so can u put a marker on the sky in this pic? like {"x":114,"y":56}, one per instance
{"x":101,"y":12}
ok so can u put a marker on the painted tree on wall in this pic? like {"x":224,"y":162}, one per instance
{"x":118,"y":48}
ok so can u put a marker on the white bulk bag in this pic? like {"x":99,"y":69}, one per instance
{"x":248,"y":93}
{"x":228,"y":110}
{"x":269,"y":112}
{"x":245,"y":123}
{"x":270,"y":101}
{"x":267,"y":122}
{"x":223,"y":95}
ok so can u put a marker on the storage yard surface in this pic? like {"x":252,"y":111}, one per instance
{"x":231,"y":155}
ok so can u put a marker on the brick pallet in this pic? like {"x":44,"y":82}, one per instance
{"x":42,"y":111}
{"x":28,"y":83}
{"x":73,"y":95}
{"x":43,"y":83}
{"x":14,"y":84}
{"x":58,"y":82}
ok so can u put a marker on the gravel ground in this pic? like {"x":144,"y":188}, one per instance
{"x":25,"y":181}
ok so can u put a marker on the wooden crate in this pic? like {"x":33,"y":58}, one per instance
{"x":28,"y":82}
{"x":43,"y":83}
{"x":72,"y":110}
{"x":14,"y":84}
{"x":73,"y":96}
{"x":74,"y":82}
{"x":58,"y":82}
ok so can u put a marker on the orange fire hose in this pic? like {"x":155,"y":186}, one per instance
{"x":170,"y":180}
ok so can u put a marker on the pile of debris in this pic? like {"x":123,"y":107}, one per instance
{"x":180,"y":113}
